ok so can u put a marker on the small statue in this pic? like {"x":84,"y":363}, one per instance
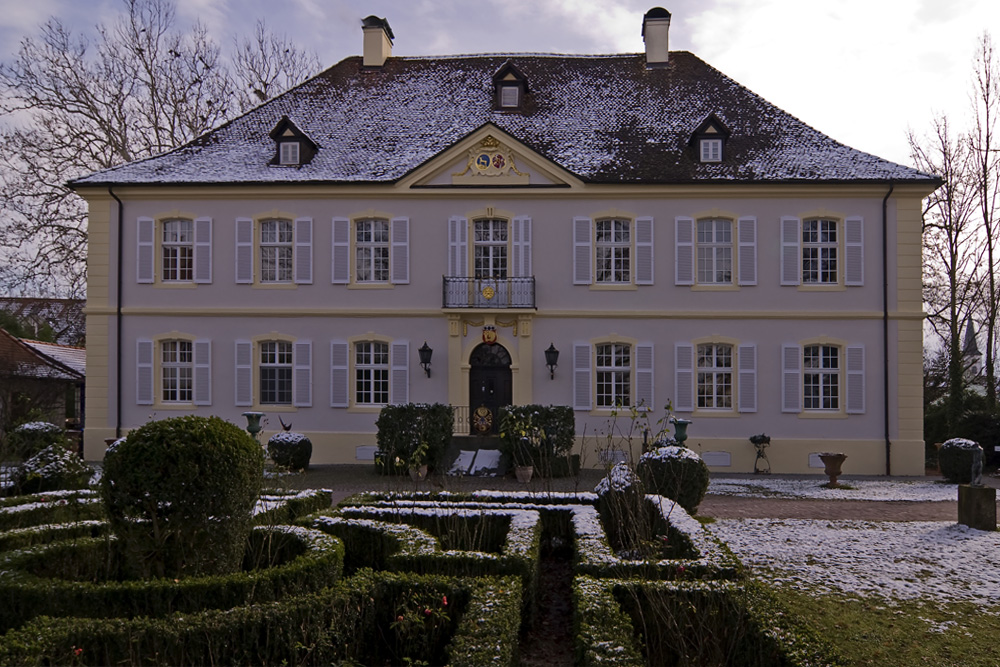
{"x":977,"y":466}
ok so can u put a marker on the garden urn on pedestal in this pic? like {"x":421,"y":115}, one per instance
{"x":832,"y":462}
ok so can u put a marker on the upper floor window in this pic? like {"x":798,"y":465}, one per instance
{"x":614,"y":375}
{"x":509,"y":88}
{"x":292,"y":146}
{"x":510,"y":96}
{"x":177,"y":371}
{"x":715,"y":376}
{"x":621,"y":372}
{"x":711,"y":150}
{"x":822,"y":251}
{"x":709,"y":139}
{"x":613,"y":251}
{"x":490,"y":248}
{"x":184,"y":248}
{"x":715,"y":251}
{"x":275,"y":370}
{"x":289,"y":152}
{"x":371,"y":373}
{"x":371,"y":251}
{"x":274,"y":251}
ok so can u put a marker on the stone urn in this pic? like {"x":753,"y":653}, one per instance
{"x":832,"y":462}
{"x":524,"y":473}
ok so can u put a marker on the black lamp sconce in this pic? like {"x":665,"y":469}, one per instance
{"x":552,"y":360}
{"x":425,"y":353}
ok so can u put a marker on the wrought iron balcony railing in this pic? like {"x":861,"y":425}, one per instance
{"x":489,"y":292}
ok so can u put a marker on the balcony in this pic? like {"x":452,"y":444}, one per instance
{"x":489,"y":292}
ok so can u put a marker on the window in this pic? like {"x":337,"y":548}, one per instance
{"x":613,"y":243}
{"x":614,"y":377}
{"x":276,"y":251}
{"x":715,"y":376}
{"x":177,"y":250}
{"x":371,"y":251}
{"x":275,"y":373}
{"x":821,"y":377}
{"x":289,"y":152}
{"x":819,"y":252}
{"x":490,"y":243}
{"x":371,"y":373}
{"x":509,"y":96}
{"x":715,"y":251}
{"x":711,"y":150}
{"x":177,"y":371}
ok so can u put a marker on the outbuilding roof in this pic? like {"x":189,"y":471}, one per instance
{"x":606,"y":119}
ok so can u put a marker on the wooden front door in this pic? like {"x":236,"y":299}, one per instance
{"x":490,"y":387}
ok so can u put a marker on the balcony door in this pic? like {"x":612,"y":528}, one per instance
{"x":490,"y":386}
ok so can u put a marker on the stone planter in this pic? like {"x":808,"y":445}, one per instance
{"x":418,"y":473}
{"x":832,"y":462}
{"x":524,"y":473}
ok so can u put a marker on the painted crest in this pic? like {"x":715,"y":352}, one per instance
{"x":490,"y":158}
{"x":489,"y":335}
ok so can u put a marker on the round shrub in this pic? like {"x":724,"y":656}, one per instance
{"x":955,"y":460}
{"x":52,"y":469}
{"x":290,"y":450}
{"x":674,"y":472}
{"x":180,"y":494}
{"x":621,"y":504}
{"x":29,"y":439}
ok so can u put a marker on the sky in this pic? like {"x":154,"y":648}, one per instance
{"x":862,"y":71}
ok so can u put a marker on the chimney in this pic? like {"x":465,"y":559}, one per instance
{"x":377,"y":41}
{"x":655,"y":33}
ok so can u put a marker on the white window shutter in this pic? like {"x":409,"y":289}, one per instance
{"x":747,"y":360}
{"x":303,"y":251}
{"x":244,"y":373}
{"x":144,"y":391}
{"x":684,"y":251}
{"x":203,"y":250}
{"x":643,"y":251}
{"x":340,"y":391}
{"x":521,"y":248}
{"x":684,"y":377}
{"x":747,"y":235}
{"x":791,"y":258}
{"x":791,"y":378}
{"x":583,"y":252}
{"x":399,"y":373}
{"x":145,"y":264}
{"x":458,"y":247}
{"x":340,"y":254}
{"x":582,"y":391}
{"x":855,"y":379}
{"x":244,"y":251}
{"x":203,"y":372}
{"x":644,"y":376}
{"x":854,"y":252}
{"x":400,"y":234}
{"x":302,"y":373}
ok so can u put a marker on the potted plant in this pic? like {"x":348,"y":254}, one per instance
{"x":417,"y":461}
{"x":521,"y":438}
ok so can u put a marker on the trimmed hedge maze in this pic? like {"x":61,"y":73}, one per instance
{"x":440,"y":579}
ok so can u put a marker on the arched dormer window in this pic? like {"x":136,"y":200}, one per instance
{"x":709,"y":140}
{"x":510,"y":87}
{"x":292,"y":147}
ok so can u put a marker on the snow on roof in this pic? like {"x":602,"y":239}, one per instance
{"x":607,"y":119}
{"x":73,"y":357}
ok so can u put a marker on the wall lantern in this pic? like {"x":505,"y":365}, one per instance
{"x":552,"y":360}
{"x":425,"y":353}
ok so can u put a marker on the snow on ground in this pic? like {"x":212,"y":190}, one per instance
{"x":892,"y":560}
{"x":862,"y":489}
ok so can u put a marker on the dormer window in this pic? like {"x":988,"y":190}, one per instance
{"x":510,"y":88}
{"x":292,"y":147}
{"x":289,"y":152}
{"x":709,"y":140}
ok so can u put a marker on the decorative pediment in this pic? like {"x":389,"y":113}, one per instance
{"x":490,"y":159}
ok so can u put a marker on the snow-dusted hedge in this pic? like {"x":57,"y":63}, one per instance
{"x":277,"y":506}
{"x":674,"y":472}
{"x":22,"y":538}
{"x":955,"y":460}
{"x":54,"y":468}
{"x":290,"y":450}
{"x":72,"y":578}
{"x":28,"y":439}
{"x":605,"y":636}
{"x":50,"y":507}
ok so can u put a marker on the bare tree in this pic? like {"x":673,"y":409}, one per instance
{"x":952,"y":246}
{"x":75,"y":105}
{"x":268,"y":64}
{"x":986,"y":174}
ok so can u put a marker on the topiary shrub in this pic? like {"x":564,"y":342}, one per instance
{"x":621,"y":504}
{"x":290,"y":450}
{"x":51,"y":469}
{"x":29,"y":439}
{"x":955,"y":460}
{"x":675,"y":472}
{"x":413,"y":434}
{"x":180,"y":494}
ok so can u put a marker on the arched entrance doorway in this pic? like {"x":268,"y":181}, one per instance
{"x":490,"y":386}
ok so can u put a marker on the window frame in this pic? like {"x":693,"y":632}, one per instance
{"x":289,"y":153}
{"x":277,"y":245}
{"x":278,"y":365}
{"x":618,"y":372}
{"x":372,"y":367}
{"x":365,"y":242}
{"x":714,"y":247}
{"x":614,"y":266}
{"x":819,"y":247}
{"x":173,"y":370}
{"x":822,"y":374}
{"x":507,"y":89}
{"x":715,"y":371}
{"x":491,"y":257}
{"x":710,"y":150}
{"x":181,"y":273}
{"x":251,"y":244}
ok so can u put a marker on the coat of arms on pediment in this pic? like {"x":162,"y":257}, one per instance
{"x":490,"y":159}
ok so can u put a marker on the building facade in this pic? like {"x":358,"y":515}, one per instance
{"x":677,"y":239}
